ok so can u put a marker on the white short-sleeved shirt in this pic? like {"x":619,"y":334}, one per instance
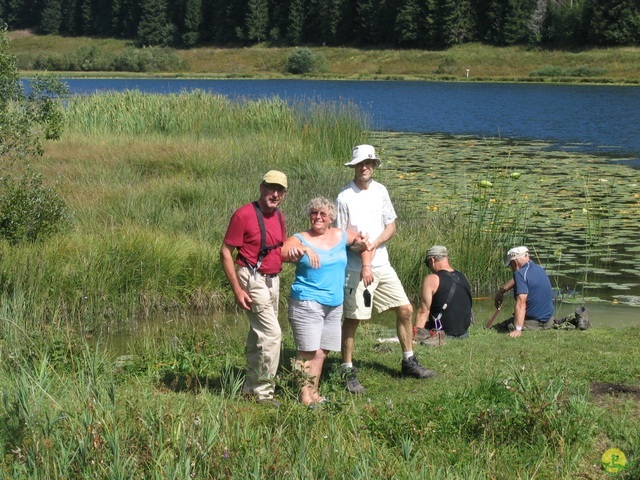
{"x":368,"y":211}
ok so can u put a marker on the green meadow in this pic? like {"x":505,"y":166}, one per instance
{"x":486,"y":63}
{"x":151,"y":182}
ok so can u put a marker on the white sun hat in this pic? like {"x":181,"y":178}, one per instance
{"x":362,"y":153}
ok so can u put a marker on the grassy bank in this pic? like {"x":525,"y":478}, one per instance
{"x":614,"y":65}
{"x":546,"y":406}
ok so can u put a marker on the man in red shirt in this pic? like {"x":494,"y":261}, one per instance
{"x":257,"y":231}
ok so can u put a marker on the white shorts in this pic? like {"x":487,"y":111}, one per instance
{"x":315,"y":326}
{"x":386,"y":292}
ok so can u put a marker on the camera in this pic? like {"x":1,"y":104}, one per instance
{"x":367,"y":297}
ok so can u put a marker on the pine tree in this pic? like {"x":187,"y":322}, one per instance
{"x":296,"y":22}
{"x":456,"y":22}
{"x":613,"y":22}
{"x":17,"y":14}
{"x":155,"y":27}
{"x":368,"y":21}
{"x":257,"y":20}
{"x":408,"y":24}
{"x":51,"y":17}
{"x":103,"y":20}
{"x":329,"y":20}
{"x":508,"y":21}
{"x":125,"y":17}
{"x":70,"y":18}
{"x":517,"y":19}
{"x":192,"y":20}
{"x":86,"y":16}
{"x":563,"y":23}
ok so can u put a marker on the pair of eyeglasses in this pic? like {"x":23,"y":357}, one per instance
{"x":316,"y":214}
{"x":274,"y":187}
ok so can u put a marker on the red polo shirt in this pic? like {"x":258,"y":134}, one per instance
{"x":244,"y":234}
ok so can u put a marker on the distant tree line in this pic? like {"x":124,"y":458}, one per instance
{"x":427,"y":24}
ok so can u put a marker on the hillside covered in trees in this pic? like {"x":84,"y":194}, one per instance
{"x":428,"y":24}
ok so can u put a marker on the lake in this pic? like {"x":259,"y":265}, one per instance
{"x":603,"y":120}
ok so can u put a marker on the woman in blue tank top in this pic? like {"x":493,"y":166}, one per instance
{"x":315,"y":306}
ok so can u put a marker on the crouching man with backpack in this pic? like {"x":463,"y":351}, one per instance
{"x":445,"y":301}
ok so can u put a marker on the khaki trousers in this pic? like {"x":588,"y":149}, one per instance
{"x":264,"y":337}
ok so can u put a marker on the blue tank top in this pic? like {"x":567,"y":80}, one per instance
{"x":324,"y":285}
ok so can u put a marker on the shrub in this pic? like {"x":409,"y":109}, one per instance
{"x":25,"y":119}
{"x":448,"y":66}
{"x":28,"y":210}
{"x":83,"y":59}
{"x":555,"y":71}
{"x":148,"y":59}
{"x":304,"y":60}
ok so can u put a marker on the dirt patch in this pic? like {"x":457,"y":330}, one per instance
{"x":19,"y":34}
{"x":604,"y":388}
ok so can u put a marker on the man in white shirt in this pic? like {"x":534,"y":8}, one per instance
{"x":364,"y":207}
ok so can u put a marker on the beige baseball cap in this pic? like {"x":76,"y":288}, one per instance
{"x":275,"y":177}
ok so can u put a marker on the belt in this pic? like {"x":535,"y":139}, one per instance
{"x":266,"y":275}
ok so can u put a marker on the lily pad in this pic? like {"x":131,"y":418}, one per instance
{"x":632,"y":300}
{"x":580,"y":212}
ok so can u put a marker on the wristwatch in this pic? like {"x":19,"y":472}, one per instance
{"x":518,"y":328}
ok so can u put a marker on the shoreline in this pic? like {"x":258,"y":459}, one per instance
{"x":337,"y":78}
{"x":469,"y":62}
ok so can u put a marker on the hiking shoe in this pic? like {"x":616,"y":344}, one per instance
{"x":436,"y":338}
{"x":353,"y":385}
{"x":582,"y":318}
{"x":411,"y":368}
{"x":420,"y":334}
{"x":559,"y":321}
{"x":566,"y":323}
{"x":268,"y":401}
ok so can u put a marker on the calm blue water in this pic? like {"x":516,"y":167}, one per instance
{"x":597,"y":119}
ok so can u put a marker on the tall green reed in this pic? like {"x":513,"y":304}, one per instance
{"x":153,"y":206}
{"x":493,"y":214}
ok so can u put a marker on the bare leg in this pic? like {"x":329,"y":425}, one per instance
{"x":310,"y":363}
{"x":349,"y":327}
{"x":404,"y":327}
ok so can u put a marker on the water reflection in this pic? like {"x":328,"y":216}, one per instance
{"x":600,"y":315}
